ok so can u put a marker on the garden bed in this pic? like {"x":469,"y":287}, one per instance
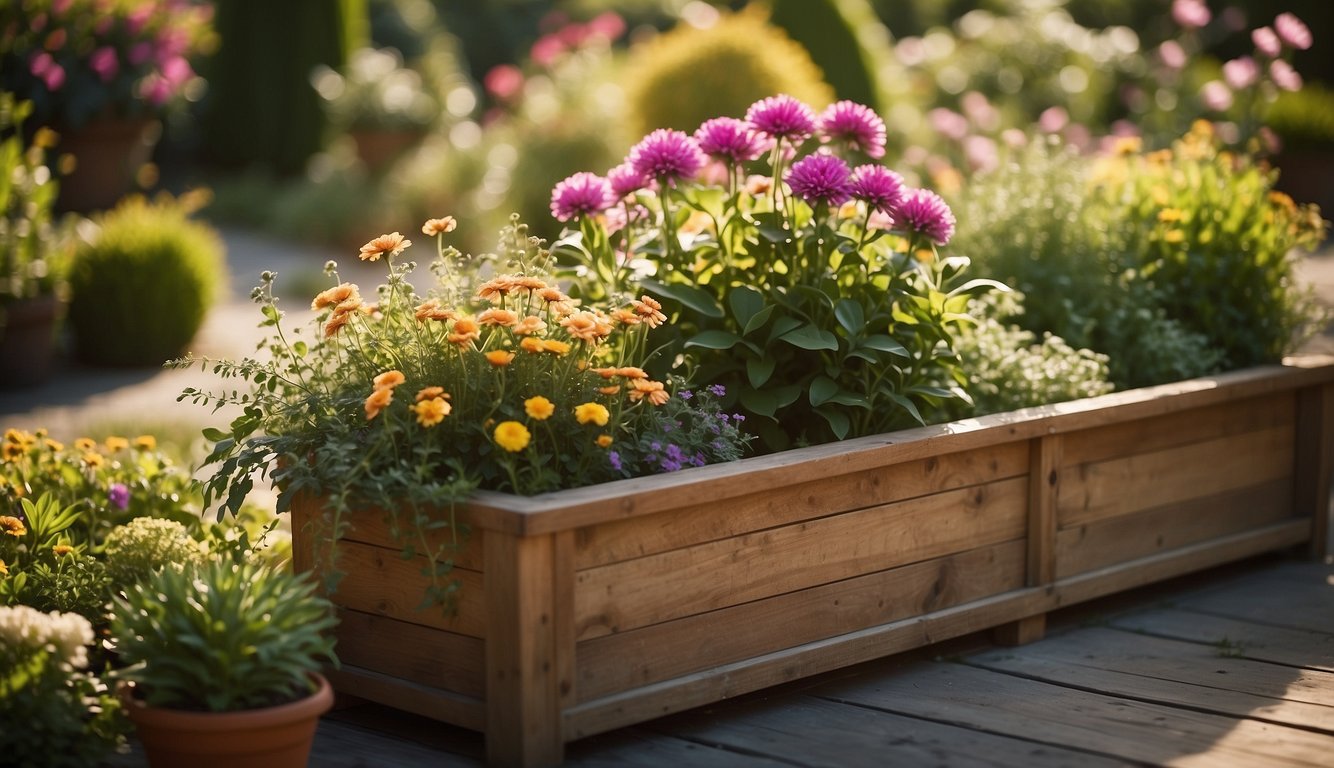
{"x":591,"y":609}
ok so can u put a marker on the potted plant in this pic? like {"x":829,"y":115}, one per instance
{"x":222,"y":663}
{"x":385,"y":106}
{"x":32,"y":251}
{"x":101,"y":74}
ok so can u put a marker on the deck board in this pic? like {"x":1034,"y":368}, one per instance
{"x":1232,"y":667}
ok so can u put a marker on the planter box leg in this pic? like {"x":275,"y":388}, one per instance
{"x":525,"y":651}
{"x":1315,"y":462}
{"x":1021,"y":632}
{"x":1044,"y":475}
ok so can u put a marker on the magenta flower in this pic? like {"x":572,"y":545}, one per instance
{"x":856,"y":124}
{"x":103,"y":61}
{"x":820,"y":178}
{"x":119,"y":496}
{"x":625,"y":181}
{"x":1266,"y":41}
{"x":582,"y":194}
{"x":1241,"y":73}
{"x":730,"y":140}
{"x":1284,"y":75}
{"x":880,"y":188}
{"x":667,"y":155}
{"x":923,"y":212}
{"x":782,"y":117}
{"x":1191,"y":14}
{"x":1293,"y":31}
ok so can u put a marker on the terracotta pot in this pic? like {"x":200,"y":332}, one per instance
{"x":273,"y":737}
{"x":27,"y":341}
{"x":109,"y":152}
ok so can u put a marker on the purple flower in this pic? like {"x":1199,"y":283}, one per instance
{"x":626,"y":181}
{"x":880,"y":188}
{"x":820,"y":178}
{"x":685,"y":394}
{"x":614,"y":458}
{"x":668,"y":155}
{"x":730,"y":140}
{"x":119,"y":496}
{"x":782,"y":117}
{"x":738,"y":417}
{"x":717,"y":390}
{"x":1190,"y":14}
{"x":580,"y":195}
{"x":856,"y":124}
{"x":1266,"y":42}
{"x":1293,"y":31}
{"x":923,"y":212}
{"x":670,"y":465}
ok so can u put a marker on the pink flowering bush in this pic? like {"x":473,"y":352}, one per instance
{"x":77,"y":59}
{"x":803,"y":276}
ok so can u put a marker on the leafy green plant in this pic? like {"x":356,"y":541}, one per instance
{"x":222,"y":637}
{"x":145,"y":545}
{"x":33,"y":244}
{"x":140,"y":287}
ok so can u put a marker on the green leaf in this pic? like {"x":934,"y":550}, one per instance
{"x":214,"y":435}
{"x":745,"y":302}
{"x":838,"y":421}
{"x":758,"y":320}
{"x":822,"y":388}
{"x":908,"y":406}
{"x":714,"y":340}
{"x":882,"y":343}
{"x":812,"y":338}
{"x":695,"y":299}
{"x":850,"y":315}
{"x":781,"y":326}
{"x":759,"y":369}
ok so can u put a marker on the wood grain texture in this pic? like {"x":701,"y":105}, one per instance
{"x":424,"y":655}
{"x":1245,"y":639}
{"x":1315,"y":463}
{"x":437,"y":704}
{"x":379,"y":581}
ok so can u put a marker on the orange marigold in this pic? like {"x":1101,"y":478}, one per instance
{"x":653,"y":391}
{"x":649,"y":309}
{"x":497,"y":316}
{"x":388,"y":380}
{"x":466,"y":330}
{"x":435,"y":227}
{"x":539,"y":408}
{"x":554,"y":347}
{"x":592,"y":413}
{"x":531,"y":344}
{"x":586,"y":326}
{"x":604,"y":441}
{"x":530,"y":283}
{"x":625,"y":316}
{"x":432,"y":411}
{"x":391,"y":245}
{"x":334,"y":296}
{"x":512,"y":436}
{"x":496,"y":289}
{"x":378,"y":401}
{"x":429,"y":393}
{"x":431,"y":310}
{"x":12,"y":526}
{"x":613,"y":389}
{"x":499,"y":357}
{"x":528,"y":326}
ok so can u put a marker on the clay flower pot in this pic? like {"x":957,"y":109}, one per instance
{"x":108,"y":153}
{"x":28,"y":341}
{"x":273,"y":737}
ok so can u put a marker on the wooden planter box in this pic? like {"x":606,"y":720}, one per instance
{"x":592,"y":609}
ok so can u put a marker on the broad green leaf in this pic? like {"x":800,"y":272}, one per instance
{"x":812,"y":338}
{"x":851,"y":399}
{"x":758,"y":320}
{"x":822,"y":388}
{"x":713,"y":340}
{"x":691,"y":297}
{"x":745,"y":302}
{"x":882,"y":343}
{"x":908,"y":406}
{"x":838,"y":421}
{"x":781,"y":326}
{"x":850,"y":315}
{"x":759,"y":369}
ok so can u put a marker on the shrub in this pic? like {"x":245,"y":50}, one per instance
{"x":689,"y":75}
{"x":141,"y":285}
{"x":144,"y":546}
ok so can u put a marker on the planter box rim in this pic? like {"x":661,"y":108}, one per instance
{"x":633,"y":497}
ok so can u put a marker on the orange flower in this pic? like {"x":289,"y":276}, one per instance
{"x":586,"y":326}
{"x":592,"y":413}
{"x":93,"y":459}
{"x":435,"y":227}
{"x":531,"y":344}
{"x":465,"y":331}
{"x":430,"y":393}
{"x":388,"y":380}
{"x":495,"y":316}
{"x":529,"y":282}
{"x":432,"y":411}
{"x":538,"y":408}
{"x":613,"y":389}
{"x":631,"y":372}
{"x":335,"y":296}
{"x":431,"y":310}
{"x":336,"y":323}
{"x":496,"y":289}
{"x":625,"y":316}
{"x":60,"y":550}
{"x":653,"y":391}
{"x":391,"y":245}
{"x":12,"y":526}
{"x":649,"y":309}
{"x":378,"y":401}
{"x":604,"y":441}
{"x":556,"y":301}
{"x":554,"y":347}
{"x":528,"y":326}
{"x":499,"y":357}
{"x":115,"y":443}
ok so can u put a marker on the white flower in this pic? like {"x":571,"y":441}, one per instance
{"x":66,"y":635}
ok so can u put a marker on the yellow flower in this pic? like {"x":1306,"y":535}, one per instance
{"x":435,"y":227}
{"x":1127,"y":145}
{"x":11,"y":451}
{"x":378,"y":401}
{"x":431,"y":412}
{"x":531,"y":344}
{"x":389,"y":380}
{"x":592,"y":413}
{"x":538,"y":408}
{"x":430,"y":393}
{"x":391,"y":244}
{"x":555,"y":347}
{"x":4,"y":569}
{"x":12,"y":526}
{"x":93,"y":459}
{"x":60,"y":550}
{"x":512,"y":436}
{"x":1174,"y":236}
{"x":85,"y":444}
{"x":145,"y":442}
{"x":117,"y":443}
{"x":499,"y":357}
{"x":53,"y":445}
{"x":1171,"y":215}
{"x":604,"y":441}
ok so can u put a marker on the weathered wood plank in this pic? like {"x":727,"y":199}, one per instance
{"x":437,"y":704}
{"x":1315,"y":462}
{"x":343,"y":745}
{"x":1100,"y":490}
{"x":630,"y":594}
{"x":1092,"y":545}
{"x":1206,"y":678}
{"x":642,"y":748}
{"x":380,"y":581}
{"x":627,"y":539}
{"x":1275,"y":601}
{"x":371,"y":526}
{"x":1293,"y":647}
{"x":614,"y":663}
{"x":1115,"y":726}
{"x":424,"y":655}
{"x":815,"y":732}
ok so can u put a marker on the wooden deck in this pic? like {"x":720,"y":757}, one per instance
{"x":1231,"y":667}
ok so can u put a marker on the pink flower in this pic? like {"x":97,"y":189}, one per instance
{"x":880,"y":188}
{"x":41,"y":63}
{"x":1284,"y":75}
{"x":1266,"y":42}
{"x":730,"y":140}
{"x":1053,"y":119}
{"x":981,"y":153}
{"x":1293,"y":31}
{"x":546,"y":50}
{"x":1216,"y":96}
{"x":582,"y":194}
{"x":625,"y":181}
{"x":54,"y":77}
{"x":177,"y":71}
{"x":855,"y":125}
{"x":503,"y":81}
{"x":139,"y":53}
{"x":948,"y":123}
{"x":103,"y":61}
{"x":607,"y":24}
{"x":782,"y":117}
{"x":668,"y":155}
{"x":1172,"y":54}
{"x":924,"y":212}
{"x":1241,"y":73}
{"x":1191,"y":14}
{"x":820,"y":178}
{"x":156,"y":89}
{"x":980,"y":110}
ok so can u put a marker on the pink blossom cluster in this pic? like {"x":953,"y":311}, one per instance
{"x":1272,"y":43}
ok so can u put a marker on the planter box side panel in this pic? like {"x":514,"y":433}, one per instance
{"x":1148,"y":486}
